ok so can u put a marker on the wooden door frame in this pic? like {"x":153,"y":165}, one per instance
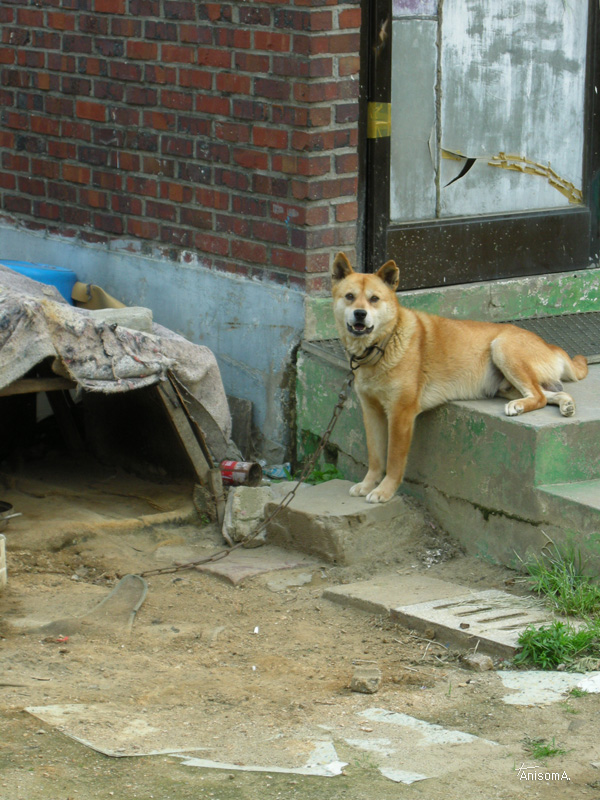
{"x":469,"y":249}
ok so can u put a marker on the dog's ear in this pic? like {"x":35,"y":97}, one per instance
{"x":341,"y":268}
{"x":389,"y":274}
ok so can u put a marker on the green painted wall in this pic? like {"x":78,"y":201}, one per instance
{"x":496,"y":301}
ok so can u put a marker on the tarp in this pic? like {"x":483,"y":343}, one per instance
{"x":36,"y":323}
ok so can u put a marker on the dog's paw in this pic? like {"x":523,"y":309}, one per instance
{"x":379,"y":496}
{"x":567,"y":407}
{"x":514,"y":408}
{"x":359,"y":489}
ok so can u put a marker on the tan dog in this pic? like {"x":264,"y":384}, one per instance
{"x":407,"y":361}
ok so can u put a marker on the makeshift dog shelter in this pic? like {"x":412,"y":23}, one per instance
{"x":115,"y":397}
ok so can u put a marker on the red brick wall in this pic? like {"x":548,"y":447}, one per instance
{"x":225,"y":129}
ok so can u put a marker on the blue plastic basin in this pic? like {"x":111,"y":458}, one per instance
{"x":63,"y":279}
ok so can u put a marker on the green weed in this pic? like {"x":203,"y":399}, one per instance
{"x":558,"y":577}
{"x":558,"y":643}
{"x":540,"y":748}
{"x":327,"y":473}
{"x":577,"y":692}
{"x":568,"y":709}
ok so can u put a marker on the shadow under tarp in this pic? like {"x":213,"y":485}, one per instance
{"x":139,"y":388}
{"x":38,"y":326}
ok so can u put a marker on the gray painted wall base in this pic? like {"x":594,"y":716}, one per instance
{"x":252,"y":327}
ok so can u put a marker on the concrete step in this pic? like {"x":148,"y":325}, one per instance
{"x":485,"y":476}
{"x":325,"y":521}
{"x":578,"y":504}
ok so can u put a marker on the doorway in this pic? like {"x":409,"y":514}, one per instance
{"x":481,"y":159}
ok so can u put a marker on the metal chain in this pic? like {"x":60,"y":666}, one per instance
{"x":307,"y":469}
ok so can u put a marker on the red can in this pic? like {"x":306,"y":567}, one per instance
{"x":241,"y":473}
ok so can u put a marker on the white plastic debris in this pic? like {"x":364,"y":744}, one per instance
{"x":323,"y":762}
{"x":591,"y":683}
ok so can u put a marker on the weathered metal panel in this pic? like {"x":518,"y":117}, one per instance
{"x":413,"y":140}
{"x":414,"y":8}
{"x":483,"y":247}
{"x":512,"y":81}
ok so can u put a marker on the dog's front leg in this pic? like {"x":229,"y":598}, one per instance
{"x":376,"y":431}
{"x":400,"y":429}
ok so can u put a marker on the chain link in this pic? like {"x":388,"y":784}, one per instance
{"x":306,"y":470}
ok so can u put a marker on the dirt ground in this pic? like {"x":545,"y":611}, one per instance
{"x":255,"y":674}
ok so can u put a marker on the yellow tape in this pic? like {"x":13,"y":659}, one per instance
{"x":452,"y":156}
{"x":518,"y":163}
{"x":379,"y":120}
{"x":522,"y":164}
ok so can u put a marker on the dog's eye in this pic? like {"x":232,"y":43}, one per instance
{"x":374,"y":299}
{"x":350,"y":296}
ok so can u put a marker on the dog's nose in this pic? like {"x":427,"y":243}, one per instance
{"x":360,"y":314}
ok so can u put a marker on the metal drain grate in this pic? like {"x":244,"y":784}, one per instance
{"x":455,"y":613}
{"x":575,"y":333}
{"x":493,"y":617}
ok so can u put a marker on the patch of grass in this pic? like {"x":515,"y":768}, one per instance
{"x":568,"y":709}
{"x":558,"y":577}
{"x":322,"y":474}
{"x":558,"y":643}
{"x":540,"y":748}
{"x":577,"y":692}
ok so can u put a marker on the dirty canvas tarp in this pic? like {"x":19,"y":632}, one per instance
{"x":36,"y":323}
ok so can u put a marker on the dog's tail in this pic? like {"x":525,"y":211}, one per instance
{"x":576,"y":368}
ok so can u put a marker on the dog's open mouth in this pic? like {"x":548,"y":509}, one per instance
{"x":359,"y":329}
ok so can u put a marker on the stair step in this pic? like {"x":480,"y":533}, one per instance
{"x":496,"y":483}
{"x":577,"y":506}
{"x":585,"y":493}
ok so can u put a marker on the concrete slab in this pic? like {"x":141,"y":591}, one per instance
{"x":398,"y":744}
{"x":325,"y":521}
{"x":429,"y":732}
{"x":121,"y":732}
{"x":242,"y":564}
{"x":537,"y":687}
{"x":383,"y":593}
{"x":490,"y":619}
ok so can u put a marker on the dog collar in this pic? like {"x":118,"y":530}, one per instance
{"x":370,"y":357}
